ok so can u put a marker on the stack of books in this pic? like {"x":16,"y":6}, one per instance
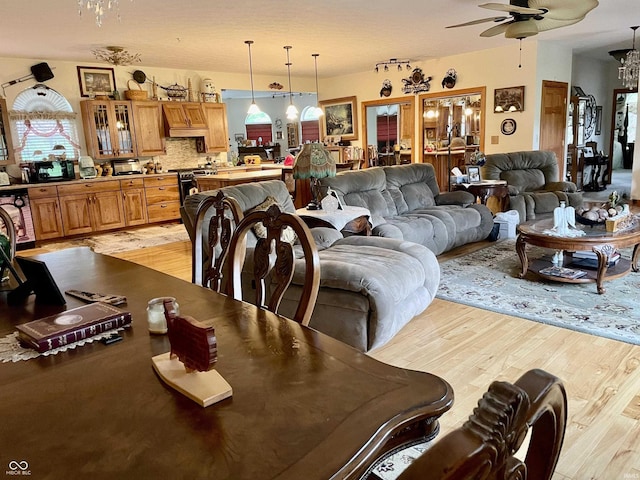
{"x":590,"y":259}
{"x":563,"y":272}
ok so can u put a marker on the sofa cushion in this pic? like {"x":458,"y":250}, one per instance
{"x":412,"y":186}
{"x":287,"y":234}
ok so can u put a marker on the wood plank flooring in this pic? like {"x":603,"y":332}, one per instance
{"x":470,"y":348}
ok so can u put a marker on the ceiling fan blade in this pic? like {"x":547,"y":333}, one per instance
{"x":476,"y":22}
{"x":497,"y":30}
{"x":565,"y":10}
{"x":512,"y":8}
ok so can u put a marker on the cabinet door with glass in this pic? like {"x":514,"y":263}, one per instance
{"x":108,"y":129}
{"x":6,"y":146}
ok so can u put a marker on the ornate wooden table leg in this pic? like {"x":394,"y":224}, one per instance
{"x":521,"y":249}
{"x":635,"y":258}
{"x":603,"y":252}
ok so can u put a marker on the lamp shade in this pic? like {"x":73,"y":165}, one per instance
{"x":314,"y":161}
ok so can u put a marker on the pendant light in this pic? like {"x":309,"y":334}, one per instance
{"x":318,"y":110}
{"x":629,"y":72}
{"x":253,"y":108}
{"x":292,"y":111}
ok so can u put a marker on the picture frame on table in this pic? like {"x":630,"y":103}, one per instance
{"x":96,"y":81}
{"x":509,"y":99}
{"x":473,"y":174}
{"x":340,"y":117}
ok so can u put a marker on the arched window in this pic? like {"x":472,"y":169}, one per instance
{"x":309,"y":121}
{"x":44,"y":121}
{"x":258,"y":125}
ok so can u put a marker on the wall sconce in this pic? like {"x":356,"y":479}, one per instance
{"x":393,"y":61}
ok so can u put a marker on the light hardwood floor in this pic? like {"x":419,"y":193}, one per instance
{"x":470,"y":348}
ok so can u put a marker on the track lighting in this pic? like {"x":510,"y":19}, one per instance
{"x":393,"y":61}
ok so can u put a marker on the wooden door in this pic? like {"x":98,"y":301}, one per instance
{"x":107,"y":210}
{"x":96,"y":121}
{"x":149,"y":128}
{"x":47,"y":221}
{"x":135,"y":206}
{"x":217,"y":138}
{"x":553,"y":121}
{"x":195,"y":115}
{"x":122,"y":129}
{"x":76,"y":214}
{"x":174,"y":115}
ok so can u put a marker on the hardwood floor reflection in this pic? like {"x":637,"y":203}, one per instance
{"x":470,"y":348}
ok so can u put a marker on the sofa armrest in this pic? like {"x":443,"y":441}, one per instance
{"x":458,"y":197}
{"x":561,"y":187}
{"x":325,"y":236}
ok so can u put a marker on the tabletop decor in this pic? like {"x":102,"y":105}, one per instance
{"x":314,"y":162}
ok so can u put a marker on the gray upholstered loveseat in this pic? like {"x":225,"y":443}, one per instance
{"x":405,"y":203}
{"x":370,"y":287}
{"x":533,"y":180}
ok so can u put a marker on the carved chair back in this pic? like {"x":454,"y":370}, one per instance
{"x":483,"y":448}
{"x":209,"y":254}
{"x":279,"y":269}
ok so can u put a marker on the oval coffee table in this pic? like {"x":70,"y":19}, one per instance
{"x":596,"y":239}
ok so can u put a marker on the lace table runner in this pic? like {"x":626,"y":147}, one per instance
{"x":12,"y":351}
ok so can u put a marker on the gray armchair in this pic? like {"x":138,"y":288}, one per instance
{"x":533,"y":180}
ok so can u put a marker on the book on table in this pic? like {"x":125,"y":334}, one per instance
{"x":563,"y":272}
{"x":589,"y":260}
{"x":72,"y":325}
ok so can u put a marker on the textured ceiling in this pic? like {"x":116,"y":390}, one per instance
{"x":350,"y":35}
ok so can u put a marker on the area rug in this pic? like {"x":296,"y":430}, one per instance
{"x":126,"y":240}
{"x":488,"y":279}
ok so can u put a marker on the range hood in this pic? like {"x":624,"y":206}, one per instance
{"x":184,"y":120}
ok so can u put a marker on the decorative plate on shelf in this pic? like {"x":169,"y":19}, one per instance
{"x":508,"y":126}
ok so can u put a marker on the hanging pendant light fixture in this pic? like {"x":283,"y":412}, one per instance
{"x":253,"y":108}
{"x":630,"y":69}
{"x":292,"y":111}
{"x":318,"y":110}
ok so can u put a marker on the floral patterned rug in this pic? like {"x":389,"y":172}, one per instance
{"x":488,"y":279}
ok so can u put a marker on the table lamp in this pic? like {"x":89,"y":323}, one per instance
{"x":314,"y":162}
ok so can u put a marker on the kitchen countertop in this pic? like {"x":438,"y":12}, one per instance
{"x":21,"y":186}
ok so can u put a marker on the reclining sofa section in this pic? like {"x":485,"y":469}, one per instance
{"x":405,"y":203}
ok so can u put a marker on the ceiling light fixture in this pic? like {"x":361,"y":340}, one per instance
{"x":116,"y":56}
{"x":393,"y":61}
{"x":98,"y":8}
{"x":630,"y":68}
{"x":253,"y":108}
{"x":318,"y":110}
{"x":292,"y":111}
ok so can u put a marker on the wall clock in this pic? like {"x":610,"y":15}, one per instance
{"x":508,"y":126}
{"x":278,"y":123}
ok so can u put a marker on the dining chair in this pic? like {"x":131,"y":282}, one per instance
{"x":220,"y":213}
{"x":7,"y":242}
{"x":279,"y":270}
{"x":483,"y":448}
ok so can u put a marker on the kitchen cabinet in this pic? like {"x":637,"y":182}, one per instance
{"x":45,"y":212}
{"x":88,"y":207}
{"x":6,"y":145}
{"x":162,"y":197}
{"x":217,"y":136}
{"x":108,"y":129}
{"x":184,"y":119}
{"x":134,"y":201}
{"x":149,"y":128}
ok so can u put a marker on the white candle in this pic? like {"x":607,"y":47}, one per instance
{"x":155,"y":314}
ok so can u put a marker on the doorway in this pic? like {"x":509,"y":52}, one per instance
{"x":624,"y":119}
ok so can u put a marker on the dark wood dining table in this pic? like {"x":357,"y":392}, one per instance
{"x":304,"y":405}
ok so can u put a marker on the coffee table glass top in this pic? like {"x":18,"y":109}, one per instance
{"x":541,"y":227}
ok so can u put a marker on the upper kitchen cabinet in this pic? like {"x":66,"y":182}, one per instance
{"x":6,"y":146}
{"x":149,"y":128}
{"x":217,"y":137}
{"x":109,"y":129}
{"x":184,"y":119}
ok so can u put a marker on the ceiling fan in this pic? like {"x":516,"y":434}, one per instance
{"x":529,"y":17}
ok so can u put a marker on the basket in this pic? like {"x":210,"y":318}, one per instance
{"x":135,"y":94}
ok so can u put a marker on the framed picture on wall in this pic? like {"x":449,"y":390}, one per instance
{"x":340,"y":118}
{"x":508,"y":99}
{"x":96,"y":81}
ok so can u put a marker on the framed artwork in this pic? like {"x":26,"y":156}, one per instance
{"x":508,"y":99}
{"x":598,"y":119}
{"x":473,"y":173}
{"x":279,"y":135}
{"x":340,"y":118}
{"x":96,"y":81}
{"x":239,"y":137}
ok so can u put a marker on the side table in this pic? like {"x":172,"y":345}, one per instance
{"x":349,"y":220}
{"x":488,"y":188}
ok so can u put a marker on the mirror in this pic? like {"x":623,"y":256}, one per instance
{"x":388,"y":130}
{"x":452,"y":128}
{"x":623,"y":128}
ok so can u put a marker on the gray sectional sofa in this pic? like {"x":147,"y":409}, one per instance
{"x":406,"y":203}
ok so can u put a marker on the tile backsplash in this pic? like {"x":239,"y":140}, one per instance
{"x":182,"y":153}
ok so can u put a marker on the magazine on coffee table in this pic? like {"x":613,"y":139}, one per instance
{"x":563,"y":272}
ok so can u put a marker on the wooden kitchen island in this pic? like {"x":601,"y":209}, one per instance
{"x":225,"y":179}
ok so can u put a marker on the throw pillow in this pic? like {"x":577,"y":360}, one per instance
{"x":288,"y":234}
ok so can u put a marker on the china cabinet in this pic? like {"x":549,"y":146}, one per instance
{"x":6,"y":145}
{"x":108,"y":129}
